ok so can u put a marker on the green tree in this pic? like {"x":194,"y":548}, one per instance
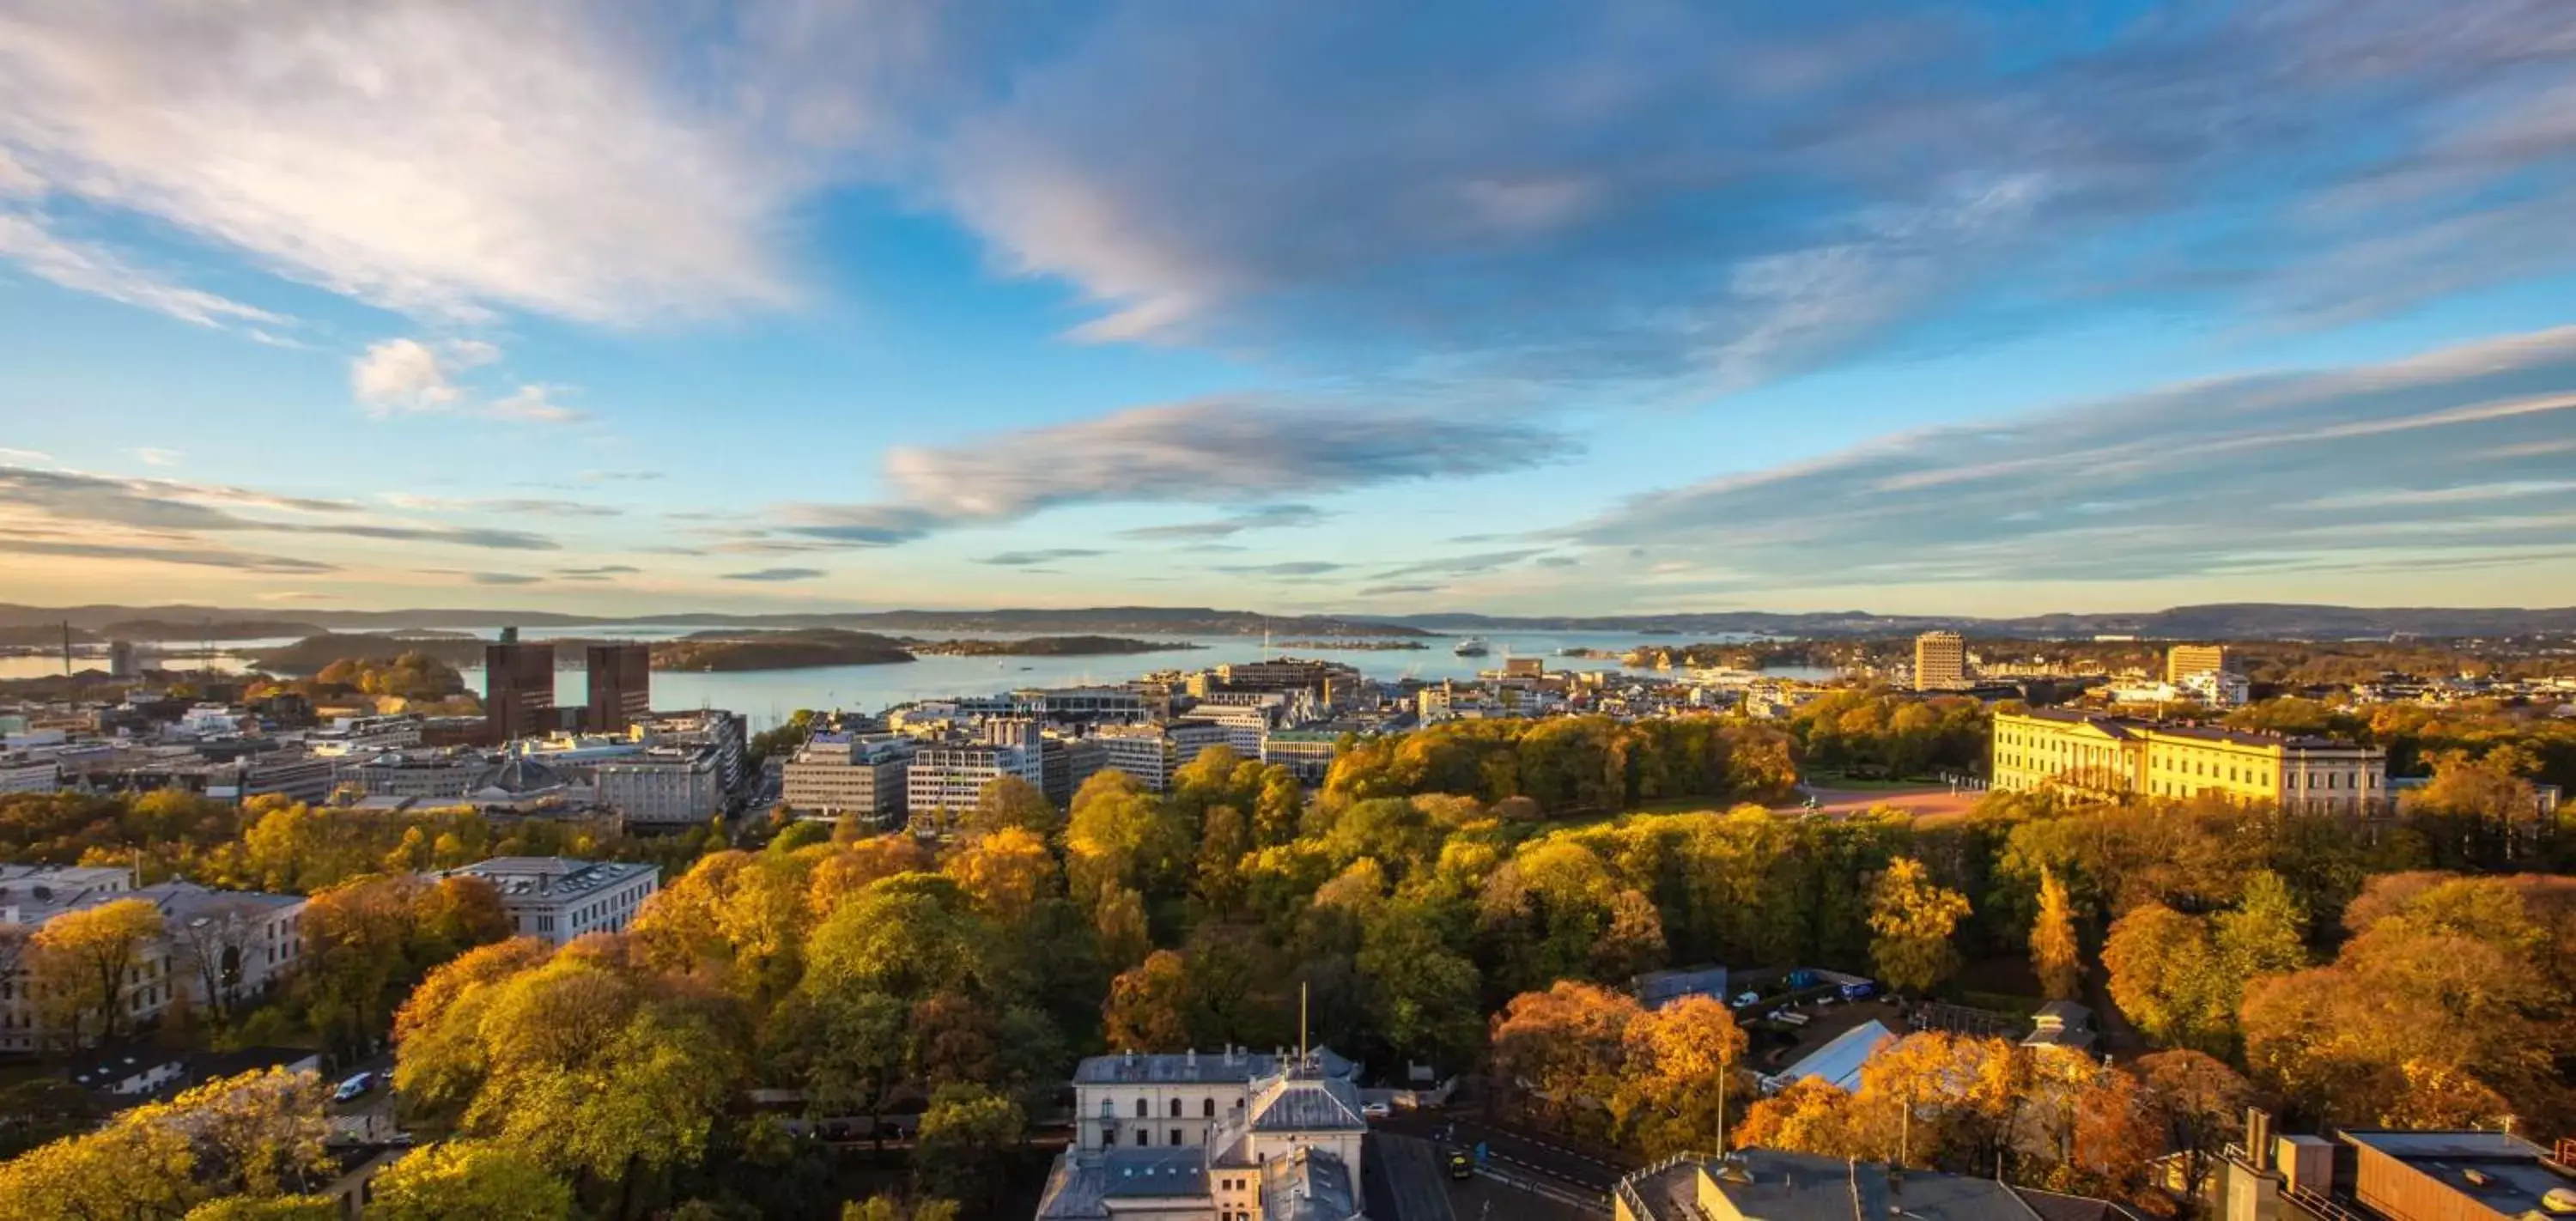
{"x":963,"y":1137}
{"x":2168,"y":978}
{"x":1915,"y":921}
{"x":2264,"y":934}
{"x":1009,"y":801}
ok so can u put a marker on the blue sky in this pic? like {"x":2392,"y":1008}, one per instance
{"x":1538,"y":307}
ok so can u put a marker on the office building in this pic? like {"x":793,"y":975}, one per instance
{"x":2114,"y":757}
{"x":621,"y":686}
{"x":2184,"y":660}
{"x":945,"y":779}
{"x":849,"y":775}
{"x":1229,"y":1133}
{"x":665,"y":786}
{"x":120,"y":660}
{"x":1151,"y":753}
{"x":1940,"y":662}
{"x":557,"y":899}
{"x":431,"y":776}
{"x":1308,"y":754}
{"x":518,"y":688}
{"x":1066,"y":763}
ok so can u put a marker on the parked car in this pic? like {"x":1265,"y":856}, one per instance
{"x":354,"y":1087}
{"x":1459,"y":1166}
{"x":1375,"y":1110}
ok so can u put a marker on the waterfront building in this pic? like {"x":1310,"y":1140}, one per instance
{"x":621,"y":686}
{"x":518,"y":687}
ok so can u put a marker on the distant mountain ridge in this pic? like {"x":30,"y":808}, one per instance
{"x":2227,"y":621}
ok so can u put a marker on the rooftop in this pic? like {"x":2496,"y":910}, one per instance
{"x":2122,"y":727}
{"x":1193,"y":1068}
{"x":2499,"y":1170}
{"x":561,"y":877}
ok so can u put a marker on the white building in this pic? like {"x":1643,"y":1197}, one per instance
{"x":423,"y":776}
{"x":1308,"y":754}
{"x":1230,"y":1134}
{"x":858,"y":775}
{"x":665,"y":786}
{"x":557,"y":899}
{"x":30,"y":773}
{"x":948,"y":777}
{"x":1151,"y":753}
{"x":358,"y":736}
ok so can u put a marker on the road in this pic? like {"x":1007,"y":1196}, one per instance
{"x":1405,"y":1181}
{"x":1512,"y":1151}
{"x":1927,"y":801}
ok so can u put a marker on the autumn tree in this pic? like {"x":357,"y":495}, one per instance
{"x":2199,"y":1102}
{"x":1120,"y":835}
{"x":1914,"y":920}
{"x":1006,"y":872}
{"x":258,"y":1135}
{"x":80,"y":962}
{"x":1563,"y":1049}
{"x":1677,"y":1076}
{"x":2167,"y":978}
{"x":1148,"y":1005}
{"x":2053,"y":949}
{"x":469,"y":1180}
{"x":1009,"y":801}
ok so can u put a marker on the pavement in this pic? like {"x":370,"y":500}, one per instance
{"x":1926,"y":801}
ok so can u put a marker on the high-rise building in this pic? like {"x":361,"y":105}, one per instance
{"x":2184,"y":660}
{"x":120,"y":659}
{"x":1940,"y":662}
{"x":621,"y":686}
{"x":518,"y":687}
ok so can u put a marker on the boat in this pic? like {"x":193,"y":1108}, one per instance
{"x":1470,"y":647}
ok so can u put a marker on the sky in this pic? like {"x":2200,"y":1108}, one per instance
{"x":1315,"y":305}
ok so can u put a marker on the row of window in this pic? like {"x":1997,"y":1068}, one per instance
{"x":1207,"y":1108}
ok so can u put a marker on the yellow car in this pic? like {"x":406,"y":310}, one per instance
{"x":1459,"y":1167}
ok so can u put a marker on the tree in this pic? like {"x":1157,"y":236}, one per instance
{"x":2264,"y":934}
{"x":1563,"y":1048}
{"x":2199,"y":1102}
{"x":1914,"y":920}
{"x":1148,"y":1005}
{"x":1009,"y":801}
{"x":1422,"y":996}
{"x":1809,"y":1116}
{"x":81,"y":961}
{"x":2167,"y":978}
{"x":271,"y":1208}
{"x":1006,"y":872}
{"x":1677,"y":1078}
{"x":1120,"y":835}
{"x":960,"y":1146}
{"x":467,"y":1180}
{"x":2053,"y":950}
{"x":258,"y":1135}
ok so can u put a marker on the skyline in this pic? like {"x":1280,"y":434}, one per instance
{"x":1572,"y":310}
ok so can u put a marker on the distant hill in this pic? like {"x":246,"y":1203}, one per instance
{"x":2234,"y":621}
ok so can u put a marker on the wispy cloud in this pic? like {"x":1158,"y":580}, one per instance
{"x":149,"y":456}
{"x":599,"y":573}
{"x":1285,"y":568}
{"x":1264,"y":517}
{"x":2307,"y":471}
{"x":502,"y":504}
{"x":776,"y":574}
{"x":167,"y":505}
{"x":1380,"y":591}
{"x":485,"y":578}
{"x":203,"y":557}
{"x":1022,"y":559}
{"x":90,"y":268}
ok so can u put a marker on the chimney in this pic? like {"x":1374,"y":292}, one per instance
{"x":2258,"y":1137}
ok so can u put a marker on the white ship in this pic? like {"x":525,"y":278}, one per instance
{"x":1470,"y":647}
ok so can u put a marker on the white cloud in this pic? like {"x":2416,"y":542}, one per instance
{"x":156,"y":457}
{"x":399,"y":375}
{"x":85,"y":267}
{"x":529,"y":403}
{"x":441,"y":157}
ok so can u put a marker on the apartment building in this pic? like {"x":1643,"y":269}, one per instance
{"x":1308,"y":754}
{"x":852,"y":775}
{"x":2105,"y":756}
{"x":557,"y":898}
{"x":1230,"y":1134}
{"x":1940,"y":662}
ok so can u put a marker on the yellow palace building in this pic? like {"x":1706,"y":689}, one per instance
{"x":2108,"y":756}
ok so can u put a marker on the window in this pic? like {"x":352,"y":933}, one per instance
{"x":1176,"y":1108}
{"x":1144,"y":1136}
{"x":1141,"y":1111}
{"x":1176,"y":1136}
{"x":1207,"y":1108}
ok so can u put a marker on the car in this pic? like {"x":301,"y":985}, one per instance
{"x":1459,"y":1166}
{"x":354,"y":1087}
{"x":1375,"y":1110}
